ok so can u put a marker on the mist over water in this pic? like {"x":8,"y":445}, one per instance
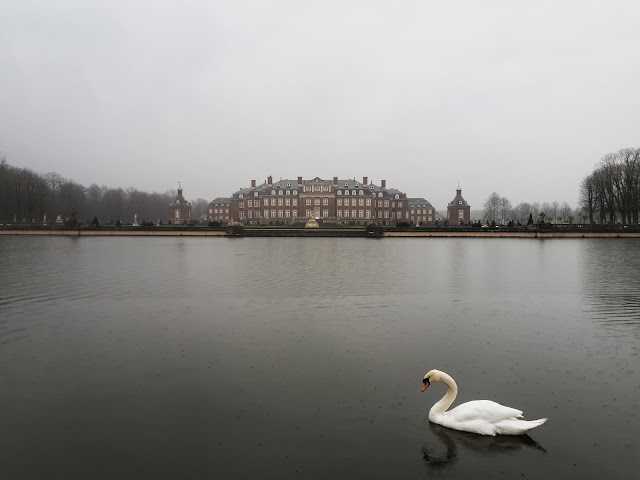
{"x":296,"y":357}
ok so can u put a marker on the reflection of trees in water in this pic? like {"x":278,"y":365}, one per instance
{"x":453,"y":440}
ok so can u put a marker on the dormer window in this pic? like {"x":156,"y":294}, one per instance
{"x":295,"y":192}
{"x":360,"y":192}
{"x":397,"y":196}
{"x":371,"y":187}
{"x":353,"y":192}
{"x":288,"y":192}
{"x":278,"y":185}
{"x":273,"y":192}
{"x":460,"y":202}
{"x":241,"y":196}
{"x":279,"y":192}
{"x":380,"y":194}
{"x":255,"y":194}
{"x":346,"y":184}
{"x":177,"y":201}
{"x":339,"y":192}
{"x":357,"y":185}
{"x":288,"y":184}
{"x":346,"y":192}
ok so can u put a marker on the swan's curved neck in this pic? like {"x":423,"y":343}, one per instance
{"x":448,"y":398}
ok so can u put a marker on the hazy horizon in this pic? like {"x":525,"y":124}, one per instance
{"x":518,"y":98}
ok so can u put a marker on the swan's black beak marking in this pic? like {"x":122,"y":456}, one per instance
{"x":426,"y":383}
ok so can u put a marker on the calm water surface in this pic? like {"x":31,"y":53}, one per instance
{"x":290,"y":357}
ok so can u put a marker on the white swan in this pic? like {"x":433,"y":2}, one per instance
{"x":479,"y":416}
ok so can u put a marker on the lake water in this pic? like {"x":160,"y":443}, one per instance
{"x":304,"y":358}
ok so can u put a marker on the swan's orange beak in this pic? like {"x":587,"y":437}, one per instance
{"x":425,"y":387}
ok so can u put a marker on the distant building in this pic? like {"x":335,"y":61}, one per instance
{"x":346,"y":202}
{"x":458,"y":210}
{"x":218,"y":210}
{"x":421,"y":212}
{"x":179,"y":209}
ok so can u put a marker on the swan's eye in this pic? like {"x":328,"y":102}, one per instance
{"x":426,"y":380}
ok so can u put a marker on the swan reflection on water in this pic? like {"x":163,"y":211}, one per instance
{"x":455,"y":440}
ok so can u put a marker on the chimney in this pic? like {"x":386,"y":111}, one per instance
{"x":269,"y":180}
{"x":179,"y":189}
{"x":335,"y":181}
{"x":253,"y":184}
{"x":299,"y":181}
{"x":364,"y":181}
{"x":383,"y":184}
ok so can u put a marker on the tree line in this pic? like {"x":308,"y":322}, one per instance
{"x":26,"y":196}
{"x":501,"y":211}
{"x":611,"y":193}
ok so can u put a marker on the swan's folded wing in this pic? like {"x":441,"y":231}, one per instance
{"x":483,"y":409}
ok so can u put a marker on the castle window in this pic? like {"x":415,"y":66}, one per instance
{"x":353,"y":192}
{"x":339,"y":192}
{"x":288,"y":192}
{"x":241,"y":196}
{"x":295,"y":192}
{"x":255,"y":194}
{"x":273,"y":192}
{"x":360,"y":192}
{"x":397,"y":196}
{"x":278,"y":185}
{"x":288,"y":184}
{"x":460,"y":202}
{"x":346,"y":184}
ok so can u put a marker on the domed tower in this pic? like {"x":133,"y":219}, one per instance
{"x":179,"y":209}
{"x":458,"y":209}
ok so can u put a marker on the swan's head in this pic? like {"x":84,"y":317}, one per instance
{"x":432,"y":376}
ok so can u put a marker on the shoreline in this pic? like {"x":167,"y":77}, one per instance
{"x":318,"y":233}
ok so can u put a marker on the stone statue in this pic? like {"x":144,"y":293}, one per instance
{"x":59,"y":219}
{"x":135,"y":220}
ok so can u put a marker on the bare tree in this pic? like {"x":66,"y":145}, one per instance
{"x":491,"y":207}
{"x":505,"y":209}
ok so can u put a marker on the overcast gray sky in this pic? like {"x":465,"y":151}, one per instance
{"x":517,"y":97}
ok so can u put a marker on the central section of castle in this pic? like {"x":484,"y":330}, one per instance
{"x":344,"y":202}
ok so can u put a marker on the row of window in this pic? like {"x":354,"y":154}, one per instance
{"x":218,"y":210}
{"x":424,"y":211}
{"x":317,"y":189}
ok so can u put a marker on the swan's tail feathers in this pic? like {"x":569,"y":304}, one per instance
{"x":517,"y":427}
